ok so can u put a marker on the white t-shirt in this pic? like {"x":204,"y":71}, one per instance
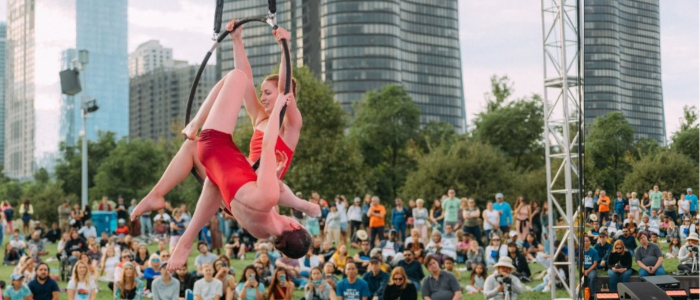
{"x":17,"y":244}
{"x":208,"y":289}
{"x":493,"y":217}
{"x":88,"y":232}
{"x":83,"y":290}
{"x":388,"y":249}
{"x":685,"y":205}
{"x":164,"y":217}
{"x":355,"y":213}
{"x":588,"y":202}
{"x":343,"y":211}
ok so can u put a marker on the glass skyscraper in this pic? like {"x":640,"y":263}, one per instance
{"x":622,"y":63}
{"x":20,"y":90}
{"x":359,"y":46}
{"x":102,"y":31}
{"x":69,"y":126}
{"x":3,"y":42}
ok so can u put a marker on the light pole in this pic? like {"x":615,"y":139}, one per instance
{"x":87,"y":106}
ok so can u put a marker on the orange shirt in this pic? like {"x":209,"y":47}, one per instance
{"x":375,"y":221}
{"x":604,"y":205}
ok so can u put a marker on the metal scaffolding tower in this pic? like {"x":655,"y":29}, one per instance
{"x":563,"y":66}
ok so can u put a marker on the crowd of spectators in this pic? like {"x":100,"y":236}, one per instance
{"x":493,"y":247}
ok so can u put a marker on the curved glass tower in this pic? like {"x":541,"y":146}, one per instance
{"x":622,"y":63}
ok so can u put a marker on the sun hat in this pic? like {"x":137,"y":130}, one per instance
{"x":693,"y":236}
{"x":594,"y":218}
{"x":504,"y":261}
{"x":361,"y":234}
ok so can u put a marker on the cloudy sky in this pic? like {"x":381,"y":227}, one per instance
{"x":497,"y":37}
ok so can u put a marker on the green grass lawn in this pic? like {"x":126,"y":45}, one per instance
{"x":105,"y":294}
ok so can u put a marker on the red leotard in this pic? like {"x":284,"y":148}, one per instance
{"x":226,"y":166}
{"x":280,"y":148}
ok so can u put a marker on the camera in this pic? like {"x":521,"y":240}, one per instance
{"x":692,"y":248}
{"x":618,"y":266}
{"x":502,"y":279}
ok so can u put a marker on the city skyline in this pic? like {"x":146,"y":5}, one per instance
{"x":488,"y":31}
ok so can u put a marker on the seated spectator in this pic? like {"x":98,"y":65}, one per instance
{"x":17,"y":291}
{"x":546,"y":284}
{"x":208,"y":288}
{"x":26,"y":268}
{"x":250,"y":286}
{"x":399,"y":287}
{"x":126,"y":258}
{"x":412,"y":268}
{"x":687,"y":252}
{"x":142,"y":256}
{"x":465,"y":241}
{"x":620,"y":262}
{"x":291,"y":266}
{"x":449,"y":265}
{"x":495,"y":251}
{"x":590,"y":263}
{"x":88,"y":230}
{"x":281,"y":286}
{"x":204,"y":257}
{"x":234,"y":248}
{"x":513,"y":238}
{"x":316,"y":244}
{"x":629,"y":240}
{"x":129,"y":286}
{"x":475,"y":256}
{"x":162,"y":216}
{"x":671,"y":231}
{"x":317,"y":288}
{"x":74,"y":246}
{"x":165,"y":287}
{"x":522,"y":270}
{"x":328,"y":271}
{"x":186,"y":280}
{"x":592,"y":218}
{"x":122,"y":228}
{"x":663,"y":225}
{"x":604,"y":249}
{"x":94,"y":253}
{"x":654,"y":239}
{"x":327,"y":251}
{"x":686,"y":229}
{"x":151,"y":271}
{"x":267,"y":264}
{"x":531,"y":247}
{"x":43,"y":287}
{"x":81,"y":284}
{"x":54,"y":234}
{"x":631,"y":224}
{"x":108,"y":264}
{"x":416,"y":245}
{"x":391,"y":246}
{"x":263,"y":274}
{"x":16,"y":247}
{"x":352,"y":287}
{"x":376,"y":279}
{"x":439,"y":284}
{"x":36,"y":245}
{"x":308,"y":262}
{"x":450,"y":234}
{"x":476,"y":280}
{"x":340,"y":257}
{"x":91,"y":268}
{"x":649,"y":258}
{"x":361,"y":258}
{"x":160,"y":230}
{"x":614,"y":226}
{"x":441,"y":246}
{"x":674,"y":248}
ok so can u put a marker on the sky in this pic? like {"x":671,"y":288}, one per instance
{"x":497,"y":37}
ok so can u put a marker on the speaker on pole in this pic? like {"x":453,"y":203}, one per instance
{"x":70,"y":82}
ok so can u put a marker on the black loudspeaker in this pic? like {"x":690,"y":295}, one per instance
{"x":641,"y":291}
{"x":70,"y":82}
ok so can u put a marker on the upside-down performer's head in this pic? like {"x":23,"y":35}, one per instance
{"x":293,"y":243}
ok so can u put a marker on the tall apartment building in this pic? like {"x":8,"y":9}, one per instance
{"x":149,"y":56}
{"x":158,"y":99}
{"x":622,"y":60}
{"x":20,"y":90}
{"x":3,"y":43}
{"x":102,"y":31}
{"x":359,"y":46}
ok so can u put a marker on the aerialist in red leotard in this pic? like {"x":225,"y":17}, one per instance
{"x":259,"y":111}
{"x":250,"y":197}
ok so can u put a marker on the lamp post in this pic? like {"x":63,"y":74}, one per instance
{"x":87,"y":105}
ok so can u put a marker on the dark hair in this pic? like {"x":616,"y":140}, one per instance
{"x":274,"y":283}
{"x":448,"y":258}
{"x":431,"y":257}
{"x":40,"y":264}
{"x":244,"y":278}
{"x":202,"y":243}
{"x":294,"y":244}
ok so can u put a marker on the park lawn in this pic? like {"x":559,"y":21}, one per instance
{"x":104,"y":293}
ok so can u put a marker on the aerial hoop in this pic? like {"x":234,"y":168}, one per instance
{"x":270,"y":19}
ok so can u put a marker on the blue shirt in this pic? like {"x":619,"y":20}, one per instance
{"x":399,"y":216}
{"x":13,"y":294}
{"x":589,"y":257}
{"x":506,"y":217}
{"x":353,"y":291}
{"x":43,"y":291}
{"x":693,"y":201}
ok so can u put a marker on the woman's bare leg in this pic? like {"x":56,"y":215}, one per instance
{"x":177,"y":171}
{"x":224,"y":111}
{"x":190,"y":130}
{"x":207,"y":206}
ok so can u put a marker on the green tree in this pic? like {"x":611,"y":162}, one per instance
{"x":472,"y":168}
{"x":515,"y":128}
{"x":501,"y":89}
{"x":670,"y":170}
{"x":435,"y":134}
{"x":45,"y":197}
{"x":385,"y":122}
{"x":324,"y":160}
{"x":687,"y":139}
{"x":130,"y":170}
{"x":645,"y":147}
{"x":69,"y":166}
{"x":610,"y":139}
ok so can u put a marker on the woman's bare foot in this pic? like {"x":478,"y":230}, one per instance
{"x":179,"y":256}
{"x":190,"y":131}
{"x":148,"y":204}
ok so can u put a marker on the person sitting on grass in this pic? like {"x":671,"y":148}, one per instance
{"x":17,"y":291}
{"x":208,"y":288}
{"x":649,"y":257}
{"x":399,"y":287}
{"x":687,"y":252}
{"x":620,"y":264}
{"x":674,"y":248}
{"x":476,"y":280}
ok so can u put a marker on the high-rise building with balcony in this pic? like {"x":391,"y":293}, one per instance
{"x":149,"y":56}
